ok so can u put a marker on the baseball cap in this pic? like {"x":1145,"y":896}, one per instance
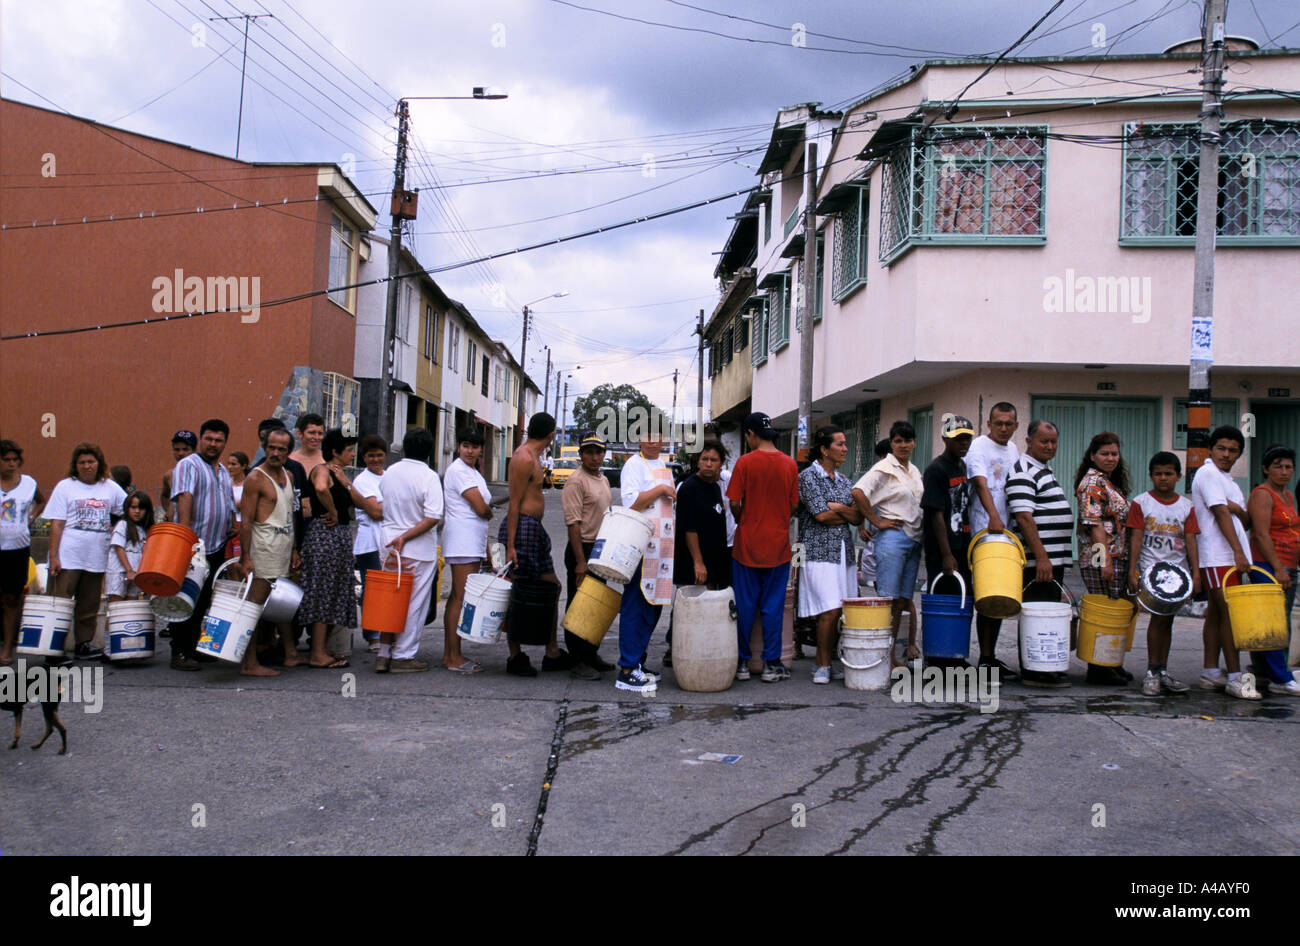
{"x":186,"y":436}
{"x":761,"y":425}
{"x":593,"y":440}
{"x":955,"y":426}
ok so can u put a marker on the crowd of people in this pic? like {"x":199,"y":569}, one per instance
{"x":295,"y":511}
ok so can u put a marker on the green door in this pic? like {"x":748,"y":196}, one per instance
{"x":922,"y":418}
{"x":1135,"y":420}
{"x":1274,"y":423}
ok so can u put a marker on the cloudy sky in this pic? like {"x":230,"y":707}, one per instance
{"x":616,"y":109}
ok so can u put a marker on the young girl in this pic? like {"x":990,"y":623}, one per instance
{"x":127,"y":546}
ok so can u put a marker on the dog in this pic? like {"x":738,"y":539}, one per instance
{"x":50,"y":710}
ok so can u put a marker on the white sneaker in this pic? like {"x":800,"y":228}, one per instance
{"x":634,"y":680}
{"x":1243,"y":688}
{"x":1291,"y":688}
{"x":1207,"y":682}
{"x":1151,"y":684}
{"x":822,"y":675}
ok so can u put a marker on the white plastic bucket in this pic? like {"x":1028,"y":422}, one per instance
{"x":620,"y":545}
{"x":1045,"y":636}
{"x":487,"y":599}
{"x":229,"y":624}
{"x":130,"y":630}
{"x":180,"y":606}
{"x":864,"y":652}
{"x":46,"y":623}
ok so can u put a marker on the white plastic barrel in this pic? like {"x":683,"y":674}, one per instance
{"x":705,"y":646}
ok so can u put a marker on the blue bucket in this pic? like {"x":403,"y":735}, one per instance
{"x":945,"y":622}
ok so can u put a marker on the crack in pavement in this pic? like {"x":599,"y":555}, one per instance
{"x":552,"y":766}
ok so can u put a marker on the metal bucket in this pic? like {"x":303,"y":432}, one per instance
{"x":283,"y":602}
{"x":1165,"y":588}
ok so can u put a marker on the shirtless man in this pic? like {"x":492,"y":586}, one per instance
{"x":183,"y":444}
{"x":266,"y":538}
{"x":528,"y":547}
{"x":311,"y":431}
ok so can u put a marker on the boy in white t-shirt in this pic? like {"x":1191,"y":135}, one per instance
{"x":1162,"y":528}
{"x":1221,"y":515}
{"x":988,"y":464}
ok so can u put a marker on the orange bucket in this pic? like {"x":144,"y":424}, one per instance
{"x":168,"y":549}
{"x":386,"y":601}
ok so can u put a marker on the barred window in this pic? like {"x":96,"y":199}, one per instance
{"x":1259,"y":182}
{"x":778,"y":328}
{"x":973,"y":184}
{"x":725,"y":344}
{"x":740,"y":333}
{"x":849,"y":246}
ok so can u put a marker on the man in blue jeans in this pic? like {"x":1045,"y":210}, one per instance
{"x":764,"y":494}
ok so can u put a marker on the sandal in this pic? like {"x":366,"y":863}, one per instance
{"x":467,"y":667}
{"x":337,"y":663}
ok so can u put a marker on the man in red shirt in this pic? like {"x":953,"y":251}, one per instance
{"x":764,"y":494}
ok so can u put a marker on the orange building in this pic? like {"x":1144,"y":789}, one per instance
{"x":102,"y":227}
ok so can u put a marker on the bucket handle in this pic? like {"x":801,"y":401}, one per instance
{"x":961,"y":581}
{"x":984,"y":533}
{"x":1254,"y":568}
{"x":1074,"y":605}
{"x":246,"y":585}
{"x":399,"y":567}
{"x":501,"y":574}
{"x":840,"y":655}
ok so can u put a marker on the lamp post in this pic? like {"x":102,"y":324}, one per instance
{"x":403,"y":208}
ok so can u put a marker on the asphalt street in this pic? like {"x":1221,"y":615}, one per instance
{"x":351,"y":762}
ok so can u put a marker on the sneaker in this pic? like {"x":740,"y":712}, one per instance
{"x":821,"y":675}
{"x":1243,"y":688}
{"x":837,"y":671}
{"x":636,"y":681}
{"x":181,"y":662}
{"x":407,"y":665}
{"x":775,"y":671}
{"x":1005,"y":673}
{"x":561,"y":662}
{"x":1207,"y":682}
{"x":584,"y":672}
{"x":520,"y":666}
{"x":1172,"y":685}
{"x":1290,"y":688}
{"x":88,"y":651}
{"x":1151,"y":684}
{"x":742,"y":669}
{"x":654,"y":676}
{"x":382,"y":664}
{"x":668,"y":657}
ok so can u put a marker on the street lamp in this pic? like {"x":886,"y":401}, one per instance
{"x":403,"y":208}
{"x":523,"y":362}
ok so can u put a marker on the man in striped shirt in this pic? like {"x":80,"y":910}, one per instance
{"x":1046,"y":526}
{"x":205,"y":502}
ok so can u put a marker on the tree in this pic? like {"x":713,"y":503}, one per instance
{"x":618,"y":413}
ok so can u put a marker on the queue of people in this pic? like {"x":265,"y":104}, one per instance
{"x":292,"y":511}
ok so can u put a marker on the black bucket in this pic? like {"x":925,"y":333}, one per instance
{"x":531,"y":618}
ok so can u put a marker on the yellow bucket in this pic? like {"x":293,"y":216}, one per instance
{"x":997,"y":567}
{"x":593,"y":610}
{"x":868,"y":614}
{"x":1257,"y":613}
{"x":1105,"y":629}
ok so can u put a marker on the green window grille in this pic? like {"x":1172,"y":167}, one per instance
{"x":1259,"y":183}
{"x":849,"y":246}
{"x":758,"y":350}
{"x":819,"y":276}
{"x":969,"y":184}
{"x":791,"y":220}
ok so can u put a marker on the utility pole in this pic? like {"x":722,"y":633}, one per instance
{"x":546,"y":395}
{"x":523,"y":360}
{"x":394,"y":260}
{"x":1198,"y":380}
{"x":699,"y":386}
{"x":243,"y":67}
{"x":564,"y":438}
{"x":809,"y":296}
{"x":672,"y":419}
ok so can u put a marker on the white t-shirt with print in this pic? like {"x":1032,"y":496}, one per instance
{"x":86,"y":511}
{"x":993,"y":462}
{"x":369,"y":531}
{"x":15,"y":507}
{"x":134,"y":550}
